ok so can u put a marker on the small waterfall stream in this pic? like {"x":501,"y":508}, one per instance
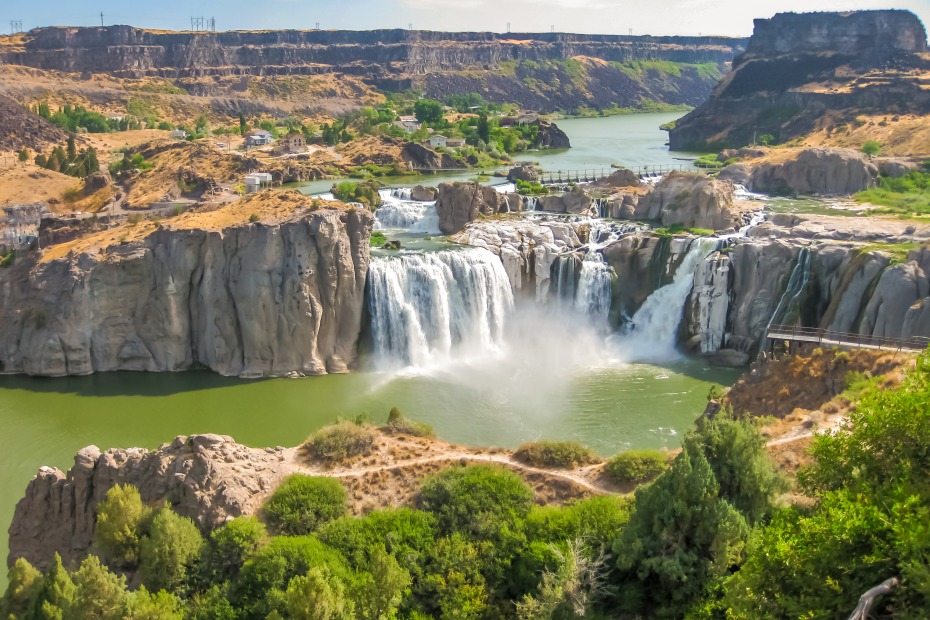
{"x":427,"y":307}
{"x":398,"y":211}
{"x":788,"y":311}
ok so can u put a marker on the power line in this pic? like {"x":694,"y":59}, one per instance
{"x":16,"y":26}
{"x":101,"y":19}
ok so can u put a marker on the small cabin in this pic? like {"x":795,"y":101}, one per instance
{"x":178,"y":134}
{"x":258,"y":137}
{"x":455,"y":143}
{"x":437,"y":140}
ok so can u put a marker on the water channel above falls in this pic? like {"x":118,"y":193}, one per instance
{"x":479,"y":365}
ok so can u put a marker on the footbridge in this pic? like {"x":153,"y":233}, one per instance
{"x":793,"y":334}
{"x":564,"y":177}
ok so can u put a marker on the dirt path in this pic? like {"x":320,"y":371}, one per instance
{"x":453,"y":456}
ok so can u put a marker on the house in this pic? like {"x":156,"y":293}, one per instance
{"x":256,"y":181}
{"x":294,"y":142}
{"x":408,"y":126}
{"x":408,"y":119}
{"x":178,"y":134}
{"x":437,"y":140}
{"x":454,"y":143}
{"x":258,"y":137}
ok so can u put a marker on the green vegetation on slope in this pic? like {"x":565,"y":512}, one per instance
{"x":907,"y":195}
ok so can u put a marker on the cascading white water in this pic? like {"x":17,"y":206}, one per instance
{"x":594,"y":292}
{"x":426,"y":307}
{"x":398,"y":211}
{"x":653,"y":331}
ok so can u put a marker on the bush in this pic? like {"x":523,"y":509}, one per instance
{"x":172,"y":545}
{"x":301,"y":504}
{"x":340,"y":441}
{"x":636,"y":466}
{"x":565,"y":454}
{"x":119,"y":524}
{"x":397,"y":423}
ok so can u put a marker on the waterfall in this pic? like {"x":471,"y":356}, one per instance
{"x":595,"y":290}
{"x":531,"y":203}
{"x":788,"y":311}
{"x":653,"y":331}
{"x":426,"y":307}
{"x":397,"y":211}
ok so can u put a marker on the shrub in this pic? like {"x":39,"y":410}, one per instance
{"x":172,"y":545}
{"x":301,"y":504}
{"x":119,"y":525}
{"x":397,"y":423}
{"x":254,"y":218}
{"x":565,"y":454}
{"x":340,"y":441}
{"x":636,"y":466}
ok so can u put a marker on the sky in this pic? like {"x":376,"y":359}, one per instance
{"x":656,"y":17}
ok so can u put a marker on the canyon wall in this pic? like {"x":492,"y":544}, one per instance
{"x":545,"y":72}
{"x":248,"y":300}
{"x":802,"y":72}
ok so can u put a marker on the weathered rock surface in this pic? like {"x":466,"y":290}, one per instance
{"x":551,"y":137}
{"x":525,"y":172}
{"x":578,"y":201}
{"x":423,"y":194}
{"x":815,"y":171}
{"x":692,"y":200}
{"x":460,"y":203}
{"x":208,"y":478}
{"x":249,"y":300}
{"x":801,"y":69}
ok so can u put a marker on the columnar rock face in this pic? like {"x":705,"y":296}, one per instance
{"x":800,"y":68}
{"x":208,"y":478}
{"x":692,"y":200}
{"x":461,"y":203}
{"x":821,"y":171}
{"x":250,"y":300}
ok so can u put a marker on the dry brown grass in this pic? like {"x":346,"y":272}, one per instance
{"x":27,"y":183}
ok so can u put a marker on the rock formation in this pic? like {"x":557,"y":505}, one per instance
{"x":20,"y":128}
{"x":799,"y":68}
{"x":692,"y":200}
{"x":578,"y":201}
{"x":423,"y":194}
{"x":814,"y":171}
{"x":460,"y":203}
{"x":551,"y":137}
{"x":208,"y":478}
{"x":246,"y":299}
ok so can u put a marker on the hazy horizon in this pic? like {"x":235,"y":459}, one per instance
{"x":660,"y":18}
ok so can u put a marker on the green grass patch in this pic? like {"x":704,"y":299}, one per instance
{"x":907,"y":195}
{"x":708,"y":161}
{"x":678,"y":229}
{"x":378,"y":239}
{"x":399,"y":424}
{"x":561,"y":454}
{"x":898,"y":251}
{"x":530,"y":188}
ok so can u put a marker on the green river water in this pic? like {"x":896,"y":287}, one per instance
{"x":610,"y":407}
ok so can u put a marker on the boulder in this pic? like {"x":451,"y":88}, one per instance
{"x":814,"y":171}
{"x":896,"y":168}
{"x":576,"y":202}
{"x":623,"y":177}
{"x":460,"y":203}
{"x":422,"y":193}
{"x":692,"y":200}
{"x":551,"y":137}
{"x":527,"y":172}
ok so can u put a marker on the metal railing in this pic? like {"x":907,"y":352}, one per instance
{"x":843,"y":339}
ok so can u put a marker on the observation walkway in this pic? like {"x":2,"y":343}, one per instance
{"x":826,"y":338}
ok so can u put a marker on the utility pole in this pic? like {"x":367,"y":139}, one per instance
{"x":211,"y":24}
{"x":508,"y":26}
{"x":318,"y":25}
{"x":16,"y":26}
{"x":101,"y":19}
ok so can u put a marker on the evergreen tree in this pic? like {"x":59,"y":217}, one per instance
{"x":72,"y":152}
{"x":25,"y":582}
{"x":119,"y":525}
{"x":98,"y":593}
{"x":172,"y":545}
{"x":317,"y":596}
{"x":56,"y":594}
{"x":24,"y":155}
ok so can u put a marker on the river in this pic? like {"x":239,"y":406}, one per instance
{"x":542,"y":379}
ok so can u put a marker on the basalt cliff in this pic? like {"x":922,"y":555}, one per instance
{"x":545,"y":72}
{"x":816,"y":71}
{"x":270,"y":286}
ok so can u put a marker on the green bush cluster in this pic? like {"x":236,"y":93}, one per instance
{"x":301,"y":504}
{"x":563,"y":454}
{"x":68,"y":160}
{"x":907,"y":195}
{"x":397,"y":423}
{"x":340,"y":441}
{"x":636,"y":466}
{"x":365,"y":192}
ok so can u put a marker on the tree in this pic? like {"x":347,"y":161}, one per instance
{"x":72,"y":152}
{"x":24,"y":155}
{"x":428,"y":110}
{"x":143,"y":605}
{"x":25,"y":582}
{"x":766,"y":139}
{"x":56,"y":594}
{"x":92,"y":163}
{"x":383,"y":589}
{"x":484,"y":127}
{"x":98,"y":593}
{"x":243,"y":126}
{"x":871,"y":148}
{"x":301,"y":504}
{"x":578,"y":582}
{"x":119,"y":525}
{"x":169,"y":549}
{"x":231,"y":545}
{"x":317,"y":596}
{"x":681,"y":535}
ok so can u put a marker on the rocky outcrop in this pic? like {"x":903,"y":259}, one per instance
{"x":692,"y":200}
{"x":460,"y":203}
{"x":248,"y":300}
{"x":421,"y":193}
{"x":551,"y":137}
{"x":208,"y":478}
{"x":420,"y":157}
{"x":523,"y":172}
{"x":578,"y":201}
{"x":800,"y":70}
{"x":20,"y":128}
{"x":814,"y":171}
